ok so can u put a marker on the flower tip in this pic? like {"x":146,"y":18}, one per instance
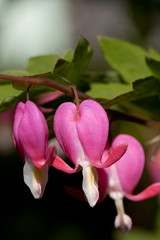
{"x":123,"y":223}
{"x":90,"y":185}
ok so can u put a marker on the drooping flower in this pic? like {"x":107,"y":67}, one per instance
{"x":120,"y":179}
{"x":82,"y":133}
{"x":30,"y":135}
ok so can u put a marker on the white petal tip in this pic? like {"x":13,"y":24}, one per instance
{"x":92,"y":202}
{"x":90,"y":185}
{"x":35,"y":178}
{"x":123,"y":223}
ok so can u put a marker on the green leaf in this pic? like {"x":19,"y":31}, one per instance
{"x":73,"y":70}
{"x":81,"y":59}
{"x":154,"y":66}
{"x":12,"y":96}
{"x":143,"y":101}
{"x":68,"y":55}
{"x":152,"y":53}
{"x":42,"y":64}
{"x":108,"y":91}
{"x":126,"y":58}
{"x":141,"y":89}
{"x":63,"y":68}
{"x":102,"y":77}
{"x":147,"y":107}
{"x":7,"y":90}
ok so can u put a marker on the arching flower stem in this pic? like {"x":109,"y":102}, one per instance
{"x":75,"y":95}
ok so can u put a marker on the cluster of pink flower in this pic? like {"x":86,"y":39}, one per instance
{"x":82,"y":133}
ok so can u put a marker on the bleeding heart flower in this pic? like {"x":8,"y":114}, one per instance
{"x":123,"y":177}
{"x":82,"y":133}
{"x":30,"y":135}
{"x":120,"y":179}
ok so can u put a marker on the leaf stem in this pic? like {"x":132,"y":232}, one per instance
{"x":75,"y":95}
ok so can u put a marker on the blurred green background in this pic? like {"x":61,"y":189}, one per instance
{"x":37,"y":27}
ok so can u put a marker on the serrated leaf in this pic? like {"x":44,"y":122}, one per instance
{"x":42,"y":64}
{"x":108,"y":91}
{"x":126,"y":58}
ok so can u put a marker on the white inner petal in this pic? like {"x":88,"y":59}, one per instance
{"x":35,"y":178}
{"x":90,"y":183}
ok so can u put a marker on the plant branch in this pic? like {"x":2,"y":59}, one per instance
{"x":44,"y":82}
{"x":114,"y":115}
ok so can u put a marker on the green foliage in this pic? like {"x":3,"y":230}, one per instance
{"x":7,"y":90}
{"x":42,"y":64}
{"x":126,"y":58}
{"x":71,"y":67}
{"x":74,"y":65}
{"x":132,"y":85}
{"x":109,"y":91}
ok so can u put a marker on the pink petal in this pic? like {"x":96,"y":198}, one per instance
{"x":17,"y":118}
{"x":153,"y":163}
{"x":102,"y":183}
{"x":116,"y":154}
{"x":48,"y":97}
{"x":51,"y":154}
{"x":33,"y":134}
{"x":46,"y":110}
{"x":63,"y":166}
{"x":130,"y":166}
{"x":82,"y":138}
{"x":92,"y":128}
{"x":149,"y":192}
{"x":66,"y":131}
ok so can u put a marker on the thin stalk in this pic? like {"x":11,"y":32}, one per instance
{"x":75,"y":95}
{"x":45,"y":82}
